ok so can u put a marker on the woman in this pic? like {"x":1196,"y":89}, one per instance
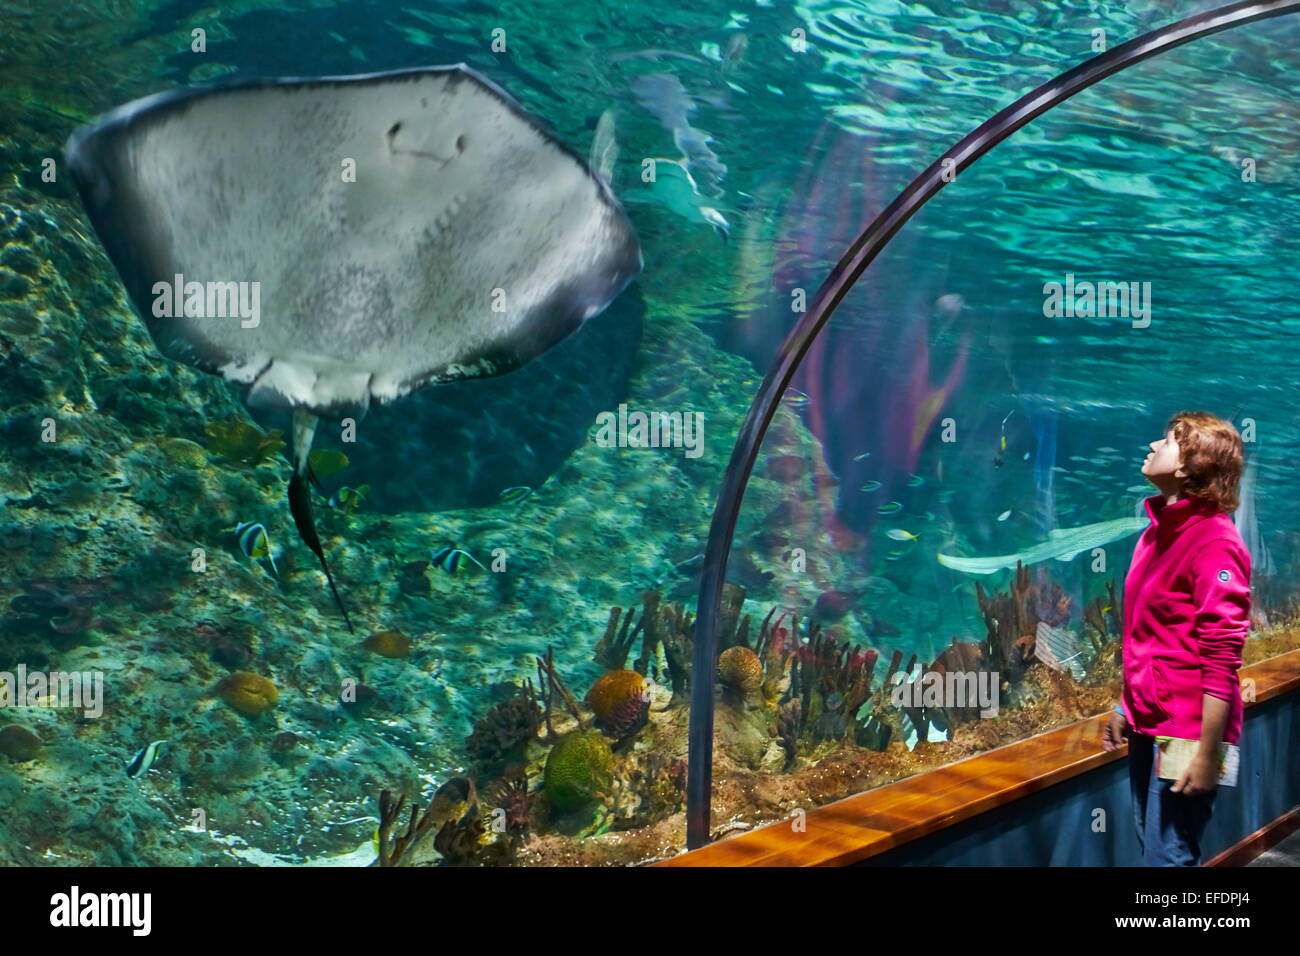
{"x":1186,"y":613}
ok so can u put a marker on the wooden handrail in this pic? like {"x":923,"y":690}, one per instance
{"x":855,"y":828}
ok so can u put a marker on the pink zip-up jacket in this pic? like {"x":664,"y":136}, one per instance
{"x":1186,"y":614}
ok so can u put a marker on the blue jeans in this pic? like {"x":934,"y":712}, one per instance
{"x":1169,"y":825}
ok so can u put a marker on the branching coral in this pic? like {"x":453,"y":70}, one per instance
{"x":1011,"y":618}
{"x":393,"y":848}
{"x":612,"y":649}
{"x":501,"y":733}
{"x":551,"y":684}
{"x":660,"y":626}
{"x":833,"y":680}
{"x":1104,"y":619}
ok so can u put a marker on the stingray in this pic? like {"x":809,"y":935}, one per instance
{"x":329,"y":242}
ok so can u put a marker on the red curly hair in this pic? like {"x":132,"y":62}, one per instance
{"x":1213,"y":457}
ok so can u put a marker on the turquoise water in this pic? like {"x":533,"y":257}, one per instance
{"x":797,"y":123}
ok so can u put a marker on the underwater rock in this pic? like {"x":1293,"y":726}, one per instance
{"x":19,"y":744}
{"x":250,"y":694}
{"x":65,"y":605}
{"x":359,"y":699}
{"x":621,"y":703}
{"x":832,"y":605}
{"x":230,"y":651}
{"x":390,"y":644}
{"x":412,"y":580}
{"x":182,"y":451}
{"x":579,"y":769}
{"x":787,"y":469}
{"x":286,"y":741}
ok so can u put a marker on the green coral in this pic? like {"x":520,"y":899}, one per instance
{"x":579,"y":769}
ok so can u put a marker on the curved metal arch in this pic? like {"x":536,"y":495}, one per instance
{"x":860,"y":254}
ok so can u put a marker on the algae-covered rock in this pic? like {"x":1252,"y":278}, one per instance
{"x":579,"y":768}
{"x":19,"y":744}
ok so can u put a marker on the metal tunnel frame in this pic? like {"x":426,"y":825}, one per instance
{"x":860,"y":254}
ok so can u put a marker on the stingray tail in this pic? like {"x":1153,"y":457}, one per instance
{"x":304,"y":427}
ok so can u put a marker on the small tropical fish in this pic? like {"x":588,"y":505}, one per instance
{"x":242,"y":442}
{"x":348,"y":499}
{"x":915,"y":481}
{"x":451,"y":559}
{"x":735,"y":51}
{"x":1005,"y":515}
{"x":871,"y":486}
{"x":325,"y":462}
{"x":1002,"y":441}
{"x":392,"y":644}
{"x":515,"y":494}
{"x":795,"y":398}
{"x":893,"y":555}
{"x":863,"y":457}
{"x":146,"y":758}
{"x":1105,"y":609}
{"x":893,"y":508}
{"x":949,"y":305}
{"x":255,"y":542}
{"x":946,"y":495}
{"x":898,"y":534}
{"x":1026,"y":458}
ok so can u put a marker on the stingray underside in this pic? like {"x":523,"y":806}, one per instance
{"x":392,"y":231}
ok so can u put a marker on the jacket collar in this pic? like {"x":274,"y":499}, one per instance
{"x":1169,"y":518}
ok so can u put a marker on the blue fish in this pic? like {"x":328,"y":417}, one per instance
{"x":451,"y":559}
{"x":515,"y":494}
{"x":146,"y":758}
{"x":255,"y":542}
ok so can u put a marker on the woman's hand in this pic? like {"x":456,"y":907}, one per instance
{"x":1201,"y":776}
{"x":1112,"y":735}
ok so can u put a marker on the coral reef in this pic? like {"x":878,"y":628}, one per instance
{"x":578,"y":770}
{"x":740,"y":671}
{"x":501,"y":734}
{"x":250,"y":694}
{"x":620,"y":702}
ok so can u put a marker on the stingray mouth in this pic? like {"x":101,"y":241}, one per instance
{"x":395,"y":148}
